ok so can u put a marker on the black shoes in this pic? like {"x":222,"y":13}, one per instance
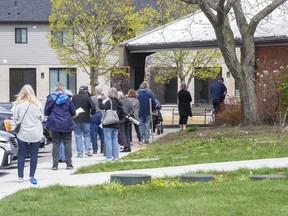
{"x":95,"y":151}
{"x":69,"y":167}
{"x":126,"y":150}
{"x":55,"y":167}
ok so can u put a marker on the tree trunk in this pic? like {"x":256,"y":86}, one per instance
{"x":93,"y":79}
{"x":244,"y":74}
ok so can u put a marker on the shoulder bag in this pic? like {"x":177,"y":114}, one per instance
{"x":18,"y":126}
{"x":110,"y":116}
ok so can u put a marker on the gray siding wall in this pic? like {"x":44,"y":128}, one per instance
{"x":36,"y":51}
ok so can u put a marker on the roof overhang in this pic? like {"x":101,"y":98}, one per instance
{"x":196,"y":32}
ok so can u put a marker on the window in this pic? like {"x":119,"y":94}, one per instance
{"x":66,"y":76}
{"x":202,"y":87}
{"x":62,"y":37}
{"x":21,"y":35}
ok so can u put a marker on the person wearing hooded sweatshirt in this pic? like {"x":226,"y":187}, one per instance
{"x":59,"y":108}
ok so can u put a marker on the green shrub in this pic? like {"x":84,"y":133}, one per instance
{"x":192,"y":129}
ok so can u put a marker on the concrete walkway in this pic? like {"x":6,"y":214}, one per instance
{"x":47,"y":177}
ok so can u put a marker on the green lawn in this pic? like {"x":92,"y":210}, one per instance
{"x":231,"y":193}
{"x":203,"y":146}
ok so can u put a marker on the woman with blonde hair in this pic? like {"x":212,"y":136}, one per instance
{"x":28,"y":112}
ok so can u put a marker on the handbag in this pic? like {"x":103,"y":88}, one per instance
{"x":18,"y":126}
{"x":110,"y":116}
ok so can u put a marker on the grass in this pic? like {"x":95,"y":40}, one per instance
{"x":204,"y":145}
{"x":231,"y":193}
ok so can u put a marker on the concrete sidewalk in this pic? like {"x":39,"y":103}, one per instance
{"x":47,"y":177}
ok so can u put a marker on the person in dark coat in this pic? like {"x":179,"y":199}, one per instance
{"x":59,"y":108}
{"x":218,"y":92}
{"x":124,"y":122}
{"x":83,"y":121}
{"x":184,"y":106}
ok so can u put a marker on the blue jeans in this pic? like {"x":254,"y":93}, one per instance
{"x":82,"y":128}
{"x":22,"y":151}
{"x":111,"y":140}
{"x":96,"y":130}
{"x":144,"y":127}
{"x":61,"y":152}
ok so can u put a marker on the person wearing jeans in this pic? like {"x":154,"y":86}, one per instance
{"x":111,"y":130}
{"x":28,"y":113}
{"x":146,"y":99}
{"x":22,"y":153}
{"x":82,"y":129}
{"x":111,"y":139}
{"x":95,"y":128}
{"x":83,"y":101}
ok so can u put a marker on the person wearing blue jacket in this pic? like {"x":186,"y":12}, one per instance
{"x":218,"y":92}
{"x":145,"y":95}
{"x":59,"y":108}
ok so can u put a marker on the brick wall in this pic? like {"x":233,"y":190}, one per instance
{"x":271,"y":57}
{"x":269,"y":61}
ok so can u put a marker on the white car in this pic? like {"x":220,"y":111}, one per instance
{"x":6,"y":154}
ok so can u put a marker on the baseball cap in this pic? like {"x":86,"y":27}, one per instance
{"x":83,"y":88}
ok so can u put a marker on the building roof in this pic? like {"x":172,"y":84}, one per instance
{"x":24,"y":11}
{"x":39,"y":10}
{"x":195,"y":31}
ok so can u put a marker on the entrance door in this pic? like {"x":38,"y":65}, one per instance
{"x":20,"y":77}
{"x":202,"y":90}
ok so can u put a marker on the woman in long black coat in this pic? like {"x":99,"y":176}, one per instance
{"x":184,"y":106}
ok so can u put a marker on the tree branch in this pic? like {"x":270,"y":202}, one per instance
{"x":263,"y":13}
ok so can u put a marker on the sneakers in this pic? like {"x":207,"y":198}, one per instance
{"x":146,"y":142}
{"x":109,"y":159}
{"x":33,"y":181}
{"x":79,"y":156}
{"x":20,"y":180}
{"x":140,"y":143}
{"x":94,"y":151}
{"x":115,"y":159}
{"x":55,"y":167}
{"x":88,"y":154}
{"x":69,"y":167}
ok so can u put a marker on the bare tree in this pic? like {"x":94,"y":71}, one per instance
{"x":187,"y":64}
{"x":218,"y":12}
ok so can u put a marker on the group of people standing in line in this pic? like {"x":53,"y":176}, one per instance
{"x":81,"y":113}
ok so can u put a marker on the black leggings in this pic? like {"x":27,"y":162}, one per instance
{"x":183,"y":120}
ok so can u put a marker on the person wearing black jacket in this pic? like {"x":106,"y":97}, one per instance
{"x":184,"y":106}
{"x":83,"y":100}
{"x":111,"y":130}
